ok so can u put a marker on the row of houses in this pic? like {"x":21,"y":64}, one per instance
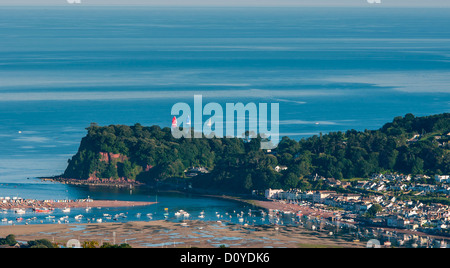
{"x":8,"y":199}
{"x":420,"y":188}
{"x":417,"y":215}
{"x":408,"y":178}
{"x":293,"y":194}
{"x":349,"y":202}
{"x":391,"y":177}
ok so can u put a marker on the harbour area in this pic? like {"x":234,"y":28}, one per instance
{"x":264,"y":224}
{"x":183,"y":219}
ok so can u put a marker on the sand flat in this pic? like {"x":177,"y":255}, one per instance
{"x":166,"y":234}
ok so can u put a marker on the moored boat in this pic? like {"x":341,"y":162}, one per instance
{"x":42,"y":210}
{"x":20,"y":211}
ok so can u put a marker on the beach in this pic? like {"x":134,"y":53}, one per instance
{"x":305,"y":210}
{"x":185,"y":234}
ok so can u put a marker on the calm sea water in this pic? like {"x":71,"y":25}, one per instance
{"x":344,"y":68}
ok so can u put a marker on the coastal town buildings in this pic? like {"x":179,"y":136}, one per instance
{"x":273,"y":194}
{"x":381,"y":191}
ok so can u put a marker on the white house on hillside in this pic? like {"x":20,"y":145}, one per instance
{"x":272,"y":194}
{"x":280,"y":168}
{"x":444,"y":178}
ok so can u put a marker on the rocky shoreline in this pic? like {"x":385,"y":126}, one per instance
{"x":120,"y":183}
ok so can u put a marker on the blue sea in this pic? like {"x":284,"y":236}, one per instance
{"x":330,"y":69}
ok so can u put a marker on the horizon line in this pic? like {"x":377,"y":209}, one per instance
{"x":377,"y":6}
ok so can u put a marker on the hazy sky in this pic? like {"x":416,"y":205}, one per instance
{"x":387,"y":3}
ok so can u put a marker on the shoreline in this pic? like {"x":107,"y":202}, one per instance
{"x":30,"y":204}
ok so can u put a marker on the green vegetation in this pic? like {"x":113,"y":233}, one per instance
{"x":151,"y":154}
{"x":41,"y":243}
{"x":96,"y":244}
{"x":10,"y":240}
{"x":373,"y":210}
{"x":107,"y":245}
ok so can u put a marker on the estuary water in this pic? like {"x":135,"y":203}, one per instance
{"x":167,"y":204}
{"x":330,"y":69}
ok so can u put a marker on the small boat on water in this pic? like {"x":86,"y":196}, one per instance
{"x":20,"y":211}
{"x":42,"y":210}
{"x":182,"y":213}
{"x":117,"y":216}
{"x":66,"y":210}
{"x":78,"y":217}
